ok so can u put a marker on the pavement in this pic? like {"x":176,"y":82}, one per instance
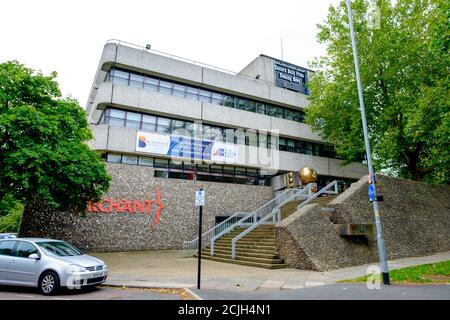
{"x":96,"y":293}
{"x":170,"y":269}
{"x":334,"y":292}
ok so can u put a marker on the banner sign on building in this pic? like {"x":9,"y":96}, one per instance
{"x":290,"y":76}
{"x":186,"y":147}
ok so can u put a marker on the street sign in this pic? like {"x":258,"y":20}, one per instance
{"x":199,"y":198}
{"x":371,"y":190}
{"x":199,"y":202}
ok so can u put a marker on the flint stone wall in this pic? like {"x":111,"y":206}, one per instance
{"x":126,"y":232}
{"x":415,"y":219}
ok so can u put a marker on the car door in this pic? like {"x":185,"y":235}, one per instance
{"x":6,"y":252}
{"x":24,"y":270}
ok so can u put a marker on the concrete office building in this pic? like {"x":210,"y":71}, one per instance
{"x":137,"y":90}
{"x":167,"y":126}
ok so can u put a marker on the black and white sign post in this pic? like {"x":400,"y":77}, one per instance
{"x":199,"y":202}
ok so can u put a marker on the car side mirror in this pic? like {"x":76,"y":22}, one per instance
{"x":34,"y":256}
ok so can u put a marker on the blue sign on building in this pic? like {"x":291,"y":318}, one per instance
{"x":186,"y":147}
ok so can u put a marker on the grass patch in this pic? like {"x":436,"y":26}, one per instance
{"x":432,"y":273}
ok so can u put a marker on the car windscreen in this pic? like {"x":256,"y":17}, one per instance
{"x":59,"y":248}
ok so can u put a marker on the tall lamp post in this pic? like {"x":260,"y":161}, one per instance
{"x":372,"y":179}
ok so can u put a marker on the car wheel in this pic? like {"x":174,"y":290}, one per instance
{"x":48,"y":283}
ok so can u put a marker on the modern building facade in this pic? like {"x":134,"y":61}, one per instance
{"x":167,"y":126}
{"x":198,"y":122}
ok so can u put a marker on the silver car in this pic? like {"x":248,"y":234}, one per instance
{"x":7,"y":236}
{"x":48,"y":264}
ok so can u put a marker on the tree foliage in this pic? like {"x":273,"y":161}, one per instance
{"x":405,"y":69}
{"x":42,"y":143}
{"x":10,"y":213}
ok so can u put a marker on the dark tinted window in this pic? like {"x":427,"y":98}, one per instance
{"x":136,"y":80}
{"x":114,"y":158}
{"x":24,"y":249}
{"x":165,"y":86}
{"x":179,"y":90}
{"x":151,"y":84}
{"x":6,"y":247}
{"x":59,"y":248}
{"x":271,"y":111}
{"x":128,"y":159}
{"x":205,"y":96}
{"x":192,"y":93}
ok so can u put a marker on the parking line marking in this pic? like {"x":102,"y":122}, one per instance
{"x":24,"y":295}
{"x":62,"y":299}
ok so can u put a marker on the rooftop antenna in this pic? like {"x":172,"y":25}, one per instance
{"x":282,"y":58}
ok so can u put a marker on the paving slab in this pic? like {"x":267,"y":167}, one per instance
{"x":170,"y":269}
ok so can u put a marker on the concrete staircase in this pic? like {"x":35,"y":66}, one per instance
{"x":257,"y":249}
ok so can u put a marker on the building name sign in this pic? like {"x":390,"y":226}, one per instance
{"x":108,"y":205}
{"x":186,"y":147}
{"x":290,"y":77}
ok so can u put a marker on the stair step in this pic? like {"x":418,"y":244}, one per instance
{"x":250,"y":259}
{"x":256,"y":238}
{"x":271,"y":255}
{"x":257,"y":248}
{"x":242,"y":240}
{"x":245,"y":246}
{"x":239,"y":249}
{"x":255,"y":230}
{"x":246,"y":263}
{"x":251,"y":242}
{"x":248,"y":237}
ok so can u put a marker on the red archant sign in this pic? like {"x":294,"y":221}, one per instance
{"x":131,"y":206}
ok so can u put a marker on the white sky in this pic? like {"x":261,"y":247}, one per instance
{"x":68,"y":36}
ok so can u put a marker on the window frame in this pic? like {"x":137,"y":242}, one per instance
{"x":13,"y":248}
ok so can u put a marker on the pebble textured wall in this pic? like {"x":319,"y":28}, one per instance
{"x":415,"y":219}
{"x":115,"y":231}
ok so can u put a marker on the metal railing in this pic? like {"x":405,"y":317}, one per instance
{"x":189,"y":246}
{"x":254,"y":216}
{"x":276,"y":216}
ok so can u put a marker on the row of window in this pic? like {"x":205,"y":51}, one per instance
{"x":186,"y":170}
{"x":156,"y":84}
{"x":164,"y":125}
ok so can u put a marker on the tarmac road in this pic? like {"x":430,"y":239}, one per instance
{"x":335,"y":292}
{"x":95,"y":293}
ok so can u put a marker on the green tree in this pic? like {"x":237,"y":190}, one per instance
{"x":10,"y":213}
{"x":44,"y":155}
{"x":404,"y":65}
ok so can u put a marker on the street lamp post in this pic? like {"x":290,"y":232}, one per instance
{"x":372,"y":180}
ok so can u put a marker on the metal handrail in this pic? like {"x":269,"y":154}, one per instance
{"x":193,"y":244}
{"x":200,"y":64}
{"x":254,"y":215}
{"x":276,"y":211}
{"x":322,"y":191}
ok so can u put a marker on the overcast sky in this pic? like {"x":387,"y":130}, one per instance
{"x":68,"y":36}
